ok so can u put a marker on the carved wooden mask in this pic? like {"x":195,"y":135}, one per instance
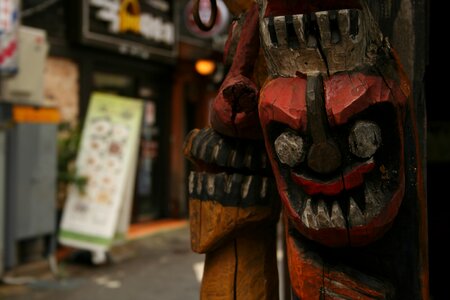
{"x":337,"y":121}
{"x":332,"y":116}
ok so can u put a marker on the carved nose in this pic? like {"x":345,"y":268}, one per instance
{"x":324,"y":156}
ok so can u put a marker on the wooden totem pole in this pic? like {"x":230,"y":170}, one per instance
{"x":315,"y":117}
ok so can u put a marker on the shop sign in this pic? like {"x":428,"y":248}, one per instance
{"x":222,"y":19}
{"x":135,"y":27}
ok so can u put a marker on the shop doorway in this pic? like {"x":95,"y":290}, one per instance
{"x":153,"y":87}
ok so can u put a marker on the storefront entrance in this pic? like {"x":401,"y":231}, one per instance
{"x":153,"y":85}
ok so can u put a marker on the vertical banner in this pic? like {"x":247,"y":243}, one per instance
{"x":94,"y":218}
{"x":9,"y":27}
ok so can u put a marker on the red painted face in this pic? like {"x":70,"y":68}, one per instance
{"x":335,"y":145}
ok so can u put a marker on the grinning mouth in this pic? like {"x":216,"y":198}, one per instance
{"x":356,"y":207}
{"x":230,"y":171}
{"x":332,"y":214}
{"x":352,"y":177}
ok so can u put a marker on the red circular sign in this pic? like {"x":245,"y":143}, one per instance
{"x":220,"y":25}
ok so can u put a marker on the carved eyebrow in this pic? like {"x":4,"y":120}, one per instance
{"x":351,"y":93}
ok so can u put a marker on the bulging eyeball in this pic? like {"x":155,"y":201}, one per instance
{"x":364,"y":139}
{"x":289,"y":148}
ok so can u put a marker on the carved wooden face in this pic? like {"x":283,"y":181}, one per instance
{"x":332,"y":119}
{"x":336,"y":152}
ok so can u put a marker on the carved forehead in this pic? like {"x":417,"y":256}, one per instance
{"x":289,"y":7}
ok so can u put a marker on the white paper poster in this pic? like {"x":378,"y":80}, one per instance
{"x":95,"y":218}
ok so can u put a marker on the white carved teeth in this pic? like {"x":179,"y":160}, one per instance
{"x":210,"y":184}
{"x":231,"y":188}
{"x":319,"y":217}
{"x":191,"y":182}
{"x":308,"y":216}
{"x":302,"y":31}
{"x":337,"y":217}
{"x":215,"y":151}
{"x":246,"y":186}
{"x":280,"y":30}
{"x":199,"y":184}
{"x":299,"y":28}
{"x":323,"y":218}
{"x":212,"y":148}
{"x":198,"y":141}
{"x":355,"y":216}
{"x":323,"y":22}
{"x":232,"y":157}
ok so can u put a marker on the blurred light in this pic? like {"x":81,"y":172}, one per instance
{"x":205,"y":67}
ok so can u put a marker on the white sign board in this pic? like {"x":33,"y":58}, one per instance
{"x":95,"y":218}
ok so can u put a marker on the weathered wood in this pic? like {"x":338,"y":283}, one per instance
{"x":338,"y":120}
{"x":324,"y":155}
{"x":338,"y":38}
{"x":361,"y":201}
{"x":233,"y":209}
{"x":234,"y":111}
{"x":243,"y":268}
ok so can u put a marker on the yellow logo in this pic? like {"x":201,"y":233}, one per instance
{"x":130,"y":16}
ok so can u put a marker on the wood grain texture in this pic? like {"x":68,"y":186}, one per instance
{"x":314,"y":278}
{"x":375,"y":251}
{"x":213,"y":224}
{"x":244,"y":268}
{"x":219,"y":274}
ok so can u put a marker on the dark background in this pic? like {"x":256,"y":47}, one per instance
{"x":438,"y":166}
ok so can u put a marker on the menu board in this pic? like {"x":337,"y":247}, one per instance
{"x":96,"y":216}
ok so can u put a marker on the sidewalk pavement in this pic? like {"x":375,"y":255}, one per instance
{"x":155,"y":263}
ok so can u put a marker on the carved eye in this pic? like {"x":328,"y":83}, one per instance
{"x":289,"y":148}
{"x":364,"y":139}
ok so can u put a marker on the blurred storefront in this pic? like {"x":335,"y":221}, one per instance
{"x":138,"y":49}
{"x":145,"y":50}
{"x":62,"y":52}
